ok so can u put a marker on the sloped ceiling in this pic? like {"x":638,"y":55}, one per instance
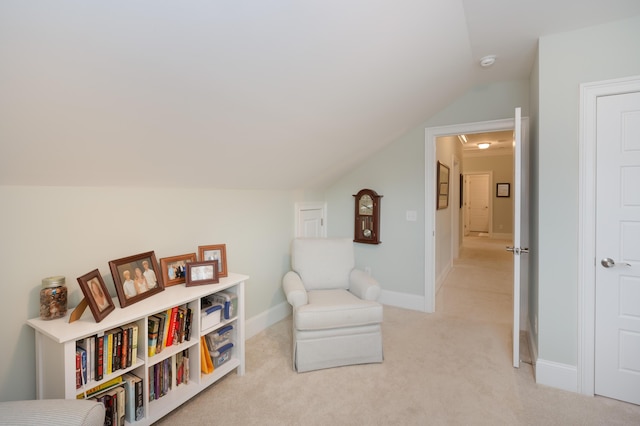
{"x":245,"y":94}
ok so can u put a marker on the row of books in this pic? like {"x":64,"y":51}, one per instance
{"x":102,"y":354}
{"x":160,"y":375}
{"x":122,"y":399}
{"x":169,"y":328}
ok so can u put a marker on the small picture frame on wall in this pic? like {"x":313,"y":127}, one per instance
{"x":503,"y":190}
{"x":442,"y":179}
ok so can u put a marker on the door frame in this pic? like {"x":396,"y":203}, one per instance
{"x":589,"y":94}
{"x":431,"y":133}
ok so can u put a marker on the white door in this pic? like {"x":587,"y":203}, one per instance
{"x":617,"y":316}
{"x":520,"y":232}
{"x":478,"y":202}
{"x":310,"y":221}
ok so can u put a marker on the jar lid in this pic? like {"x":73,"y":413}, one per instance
{"x":56,"y":281}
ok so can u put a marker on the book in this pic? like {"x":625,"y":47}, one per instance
{"x":132,"y":343}
{"x":124,"y":351}
{"x":82,"y":346}
{"x":187,"y":327}
{"x":99,"y":357}
{"x":182,"y":314}
{"x":172,"y":318}
{"x":162,"y":319}
{"x":133,"y":400}
{"x":94,"y":391}
{"x":83,"y":364}
{"x":139,"y":398}
{"x":154,"y":323}
{"x":78,"y":370}
{"x":109,"y":349}
{"x":117,"y":349}
{"x":121,"y":403}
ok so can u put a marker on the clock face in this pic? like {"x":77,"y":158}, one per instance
{"x":366,"y":205}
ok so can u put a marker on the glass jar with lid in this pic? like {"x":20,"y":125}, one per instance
{"x":53,"y":298}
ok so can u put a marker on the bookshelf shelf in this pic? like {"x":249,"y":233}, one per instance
{"x":56,"y":347}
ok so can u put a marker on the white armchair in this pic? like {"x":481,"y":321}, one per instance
{"x":336,"y":317}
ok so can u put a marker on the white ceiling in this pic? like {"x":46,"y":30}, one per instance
{"x":272,"y":94}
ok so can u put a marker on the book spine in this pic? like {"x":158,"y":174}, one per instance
{"x":134,"y":344}
{"x":187,"y":327}
{"x":109,"y":354}
{"x":139,"y":400}
{"x":125,"y":344}
{"x":99,"y":357}
{"x":78,"y":370}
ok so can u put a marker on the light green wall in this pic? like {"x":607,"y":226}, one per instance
{"x":398,"y":173}
{"x":71,"y":231}
{"x":565,"y":61}
{"x":502,"y":168}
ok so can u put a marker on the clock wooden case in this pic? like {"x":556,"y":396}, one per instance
{"x":367,"y":217}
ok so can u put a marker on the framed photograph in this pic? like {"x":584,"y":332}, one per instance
{"x":442,"y":179}
{"x":503,"y":190}
{"x":200,"y":273}
{"x":96,"y":294}
{"x":135,"y":277}
{"x":174,"y":269}
{"x":215,"y":252}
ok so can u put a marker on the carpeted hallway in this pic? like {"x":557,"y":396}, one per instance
{"x":448,"y":368}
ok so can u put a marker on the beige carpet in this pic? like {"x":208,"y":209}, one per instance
{"x":448,"y":368}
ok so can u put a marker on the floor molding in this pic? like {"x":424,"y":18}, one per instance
{"x":557,"y":375}
{"x":266,"y":319}
{"x":402,"y":300}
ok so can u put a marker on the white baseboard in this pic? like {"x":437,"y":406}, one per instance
{"x":557,"y":375}
{"x":443,"y":276}
{"x":402,"y":300}
{"x":256,"y":324}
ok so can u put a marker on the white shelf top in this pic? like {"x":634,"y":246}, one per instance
{"x":61,"y":331}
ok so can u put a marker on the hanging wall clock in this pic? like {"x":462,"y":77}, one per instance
{"x":367,"y":217}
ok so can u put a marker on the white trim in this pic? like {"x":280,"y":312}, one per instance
{"x":556,"y":375}
{"x":266,"y":319}
{"x":402,"y":300}
{"x":443,"y":276}
{"x":589,"y":93}
{"x":431,"y":133}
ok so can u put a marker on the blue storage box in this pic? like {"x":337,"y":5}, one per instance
{"x":229,"y":301}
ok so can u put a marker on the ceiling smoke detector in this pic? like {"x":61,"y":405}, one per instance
{"x":487,"y":61}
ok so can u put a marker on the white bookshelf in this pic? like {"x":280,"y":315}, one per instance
{"x":56,"y":346}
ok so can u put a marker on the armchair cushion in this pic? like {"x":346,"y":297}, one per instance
{"x":323,"y":266}
{"x":330,"y":309}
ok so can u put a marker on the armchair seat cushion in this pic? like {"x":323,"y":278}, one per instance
{"x":338,"y":308}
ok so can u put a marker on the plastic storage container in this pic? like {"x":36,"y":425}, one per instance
{"x":210,"y":316}
{"x":229,"y":301}
{"x":221,"y":355}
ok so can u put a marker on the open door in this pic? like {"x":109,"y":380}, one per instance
{"x":520,"y":231}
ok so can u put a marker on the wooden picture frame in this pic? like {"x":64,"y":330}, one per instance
{"x":96,"y":294}
{"x":131,"y":275}
{"x":215,"y":252}
{"x":442,"y":186}
{"x":174,"y":268}
{"x":200,"y":273}
{"x":503,"y":190}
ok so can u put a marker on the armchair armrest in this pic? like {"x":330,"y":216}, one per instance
{"x":363,"y":285}
{"x":294,"y":289}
